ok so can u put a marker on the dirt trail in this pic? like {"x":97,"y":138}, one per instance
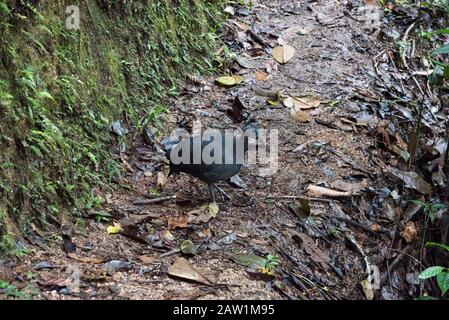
{"x":333,"y":61}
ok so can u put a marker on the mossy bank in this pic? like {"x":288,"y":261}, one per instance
{"x":61,"y":88}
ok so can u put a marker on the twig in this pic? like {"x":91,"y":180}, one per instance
{"x":169,"y":253}
{"x":359,"y":225}
{"x":369,"y":267}
{"x":141,"y":202}
{"x":298,"y":197}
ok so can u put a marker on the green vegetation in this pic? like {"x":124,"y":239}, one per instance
{"x":61,"y":89}
{"x":441,"y":273}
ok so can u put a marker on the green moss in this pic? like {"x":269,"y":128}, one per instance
{"x":61,"y":89}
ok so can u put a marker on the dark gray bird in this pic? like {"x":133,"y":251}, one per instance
{"x":211,"y":173}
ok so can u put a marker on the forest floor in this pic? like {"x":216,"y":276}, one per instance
{"x":346,"y":69}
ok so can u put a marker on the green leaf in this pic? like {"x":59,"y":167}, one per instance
{"x":443,"y":282}
{"x":45,"y":94}
{"x":437,"y":206}
{"x":249,"y":260}
{"x":442,"y":50}
{"x":434,"y":244}
{"x":37,"y":151}
{"x":419,"y":203}
{"x":229,"y":81}
{"x":188,"y":247}
{"x":431,"y":272}
{"x":4,"y":10}
{"x":426,"y":298}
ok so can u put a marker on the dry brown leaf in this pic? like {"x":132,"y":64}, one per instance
{"x":178,"y":222}
{"x":148,"y":259}
{"x":127,"y":166}
{"x":313,"y":250}
{"x":59,"y":282}
{"x":204,"y":213}
{"x":317,"y":191}
{"x":283,"y":54}
{"x":409,"y":234}
{"x":76,"y":257}
{"x":299,"y":115}
{"x":167,"y":235}
{"x":261,"y":76}
{"x":352,"y":187}
{"x":412,"y":180}
{"x":182,"y":269}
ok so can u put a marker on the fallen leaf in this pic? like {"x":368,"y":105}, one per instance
{"x":229,"y":81}
{"x":188,"y":247}
{"x":59,"y":282}
{"x":204,"y":213}
{"x":409,"y":234}
{"x":313,"y":250}
{"x":301,"y":210}
{"x":178,"y":222}
{"x":412,"y":180}
{"x":167,"y":235}
{"x":182,"y":269}
{"x":317,"y":191}
{"x":367,"y":289}
{"x":352,"y":187}
{"x":116,"y":228}
{"x":261,"y":76}
{"x":249,"y":260}
{"x":148,"y":259}
{"x":299,"y":115}
{"x":390,"y":209}
{"x":306,"y":102}
{"x":283,"y":54}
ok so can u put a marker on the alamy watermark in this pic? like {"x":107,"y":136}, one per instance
{"x":72,"y":22}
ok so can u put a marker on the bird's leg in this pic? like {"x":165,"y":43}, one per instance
{"x":211,"y":191}
{"x":222,"y":193}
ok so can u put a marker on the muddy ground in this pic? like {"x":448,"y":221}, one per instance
{"x":341,"y":60}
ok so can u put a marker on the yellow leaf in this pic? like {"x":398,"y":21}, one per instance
{"x":113,"y":229}
{"x":367,"y":289}
{"x":283,"y":54}
{"x":213,"y":208}
{"x":229,"y":81}
{"x":306,"y":102}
